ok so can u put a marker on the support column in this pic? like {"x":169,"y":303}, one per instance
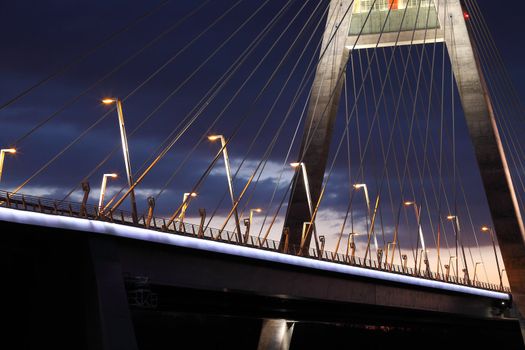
{"x":488,"y":147}
{"x":322,"y":110}
{"x":109,"y":319}
{"x":275,"y":335}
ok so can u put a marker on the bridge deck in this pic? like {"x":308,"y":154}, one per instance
{"x":66,"y":215}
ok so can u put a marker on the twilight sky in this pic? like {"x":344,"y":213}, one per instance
{"x":41,"y":37}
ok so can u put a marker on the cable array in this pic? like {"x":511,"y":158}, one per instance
{"x":394,"y":190}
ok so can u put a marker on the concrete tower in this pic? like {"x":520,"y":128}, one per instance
{"x":445,"y":23}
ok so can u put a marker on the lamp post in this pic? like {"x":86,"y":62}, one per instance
{"x":2,"y":156}
{"x":323,"y":241}
{"x":103,"y":190}
{"x":447,"y":271}
{"x":125,"y":152}
{"x":151,"y":208}
{"x":438,"y":261}
{"x":491,"y":233}
{"x":184,"y":207}
{"x":396,"y":231}
{"x":475,"y":271}
{"x":249,"y":223}
{"x":465,"y":276}
{"x":457,"y":230}
{"x":404,"y":258}
{"x":301,"y":165}
{"x":389,"y":249}
{"x":450,"y":266}
{"x":420,"y":231}
{"x":256,"y":210}
{"x":380,"y":257}
{"x":351,"y":245}
{"x":427,"y":264}
{"x":230,"y":181}
{"x":369,"y":214}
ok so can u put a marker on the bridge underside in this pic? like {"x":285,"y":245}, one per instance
{"x":82,"y":279}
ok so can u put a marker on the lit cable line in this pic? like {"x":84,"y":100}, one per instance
{"x":441,"y":185}
{"x":203,"y":103}
{"x":505,"y":99}
{"x":301,"y":84}
{"x":98,"y":121}
{"x":337,"y":26}
{"x":107,"y":75}
{"x":418,"y":168}
{"x":187,"y":117}
{"x":238,"y":127}
{"x":375,"y":117}
{"x":292,"y":185}
{"x":215,"y":159}
{"x":296,"y":131}
{"x":492,"y":64}
{"x":85,"y":54}
{"x":168,"y":147}
{"x":213,"y":92}
{"x":251,"y":178}
{"x":423,"y":139}
{"x":358,"y":95}
{"x":276,"y":99}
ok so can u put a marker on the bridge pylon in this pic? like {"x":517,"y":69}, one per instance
{"x":350,"y":26}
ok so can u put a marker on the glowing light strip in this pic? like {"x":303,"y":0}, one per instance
{"x":92,"y":226}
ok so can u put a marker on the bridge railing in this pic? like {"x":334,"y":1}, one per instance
{"x":92,"y":212}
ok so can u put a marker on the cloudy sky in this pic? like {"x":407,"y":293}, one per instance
{"x":164,"y":66}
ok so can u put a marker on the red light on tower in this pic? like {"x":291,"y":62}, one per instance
{"x":394,"y":4}
{"x":466,"y":15}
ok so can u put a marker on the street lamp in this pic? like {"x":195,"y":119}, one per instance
{"x":447,"y":271}
{"x":249,"y":223}
{"x":417,"y":210}
{"x":491,"y":233}
{"x":449,"y":266}
{"x":351,"y":245}
{"x":424,"y":259}
{"x":380,"y":257}
{"x":389,"y":249}
{"x":457,"y":230}
{"x":308,"y":196}
{"x":125,"y":152}
{"x":103,"y":190}
{"x":465,"y":275}
{"x":475,"y":271}
{"x":369,"y":214}
{"x":230,"y":181}
{"x":256,"y":210}
{"x":396,"y":231}
{"x":2,"y":156}
{"x":184,"y":207}
{"x":323,"y":241}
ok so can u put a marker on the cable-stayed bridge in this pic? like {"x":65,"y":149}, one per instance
{"x":333,"y":162}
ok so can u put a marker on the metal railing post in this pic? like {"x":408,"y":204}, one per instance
{"x":202,"y":213}
{"x":151,"y":207}
{"x":86,"y":189}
